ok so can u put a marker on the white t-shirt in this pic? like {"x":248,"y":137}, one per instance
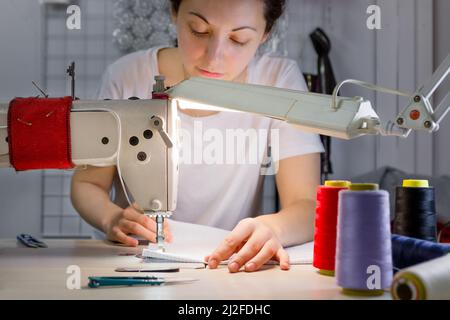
{"x":216,"y":191}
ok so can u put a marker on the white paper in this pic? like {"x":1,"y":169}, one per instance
{"x":192,"y":242}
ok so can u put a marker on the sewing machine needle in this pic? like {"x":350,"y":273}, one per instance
{"x":160,"y":232}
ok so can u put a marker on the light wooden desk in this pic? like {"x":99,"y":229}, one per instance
{"x":27,"y":273}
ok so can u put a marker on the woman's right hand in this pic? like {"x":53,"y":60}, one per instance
{"x":131,"y":221}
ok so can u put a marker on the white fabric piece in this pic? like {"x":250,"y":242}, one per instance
{"x":193,"y":242}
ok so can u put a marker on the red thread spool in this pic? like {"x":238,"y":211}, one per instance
{"x":325,"y":229}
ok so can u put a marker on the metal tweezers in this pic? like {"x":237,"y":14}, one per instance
{"x":30,"y":241}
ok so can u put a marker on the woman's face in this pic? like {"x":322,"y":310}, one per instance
{"x":218,"y":39}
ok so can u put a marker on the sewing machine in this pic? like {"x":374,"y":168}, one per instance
{"x":140,"y":137}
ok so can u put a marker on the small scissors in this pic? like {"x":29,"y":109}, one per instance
{"x":30,"y":241}
{"x":95,"y":282}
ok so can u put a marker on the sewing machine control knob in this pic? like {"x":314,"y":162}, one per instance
{"x":156,"y":205}
{"x":158,"y":124}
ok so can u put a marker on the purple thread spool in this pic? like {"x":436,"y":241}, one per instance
{"x":363,"y":249}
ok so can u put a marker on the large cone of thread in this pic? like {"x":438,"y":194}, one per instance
{"x":363,"y":252}
{"x":426,"y":281}
{"x":407,"y":251}
{"x":325,"y":226}
{"x":415,"y":210}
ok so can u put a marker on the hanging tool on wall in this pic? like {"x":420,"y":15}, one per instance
{"x":325,"y":83}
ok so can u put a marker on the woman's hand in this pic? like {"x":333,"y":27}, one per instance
{"x":131,"y":221}
{"x":254,"y":244}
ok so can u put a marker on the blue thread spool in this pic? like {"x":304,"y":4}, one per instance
{"x":364,"y":241}
{"x":407,"y":252}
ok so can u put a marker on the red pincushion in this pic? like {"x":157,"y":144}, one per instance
{"x":39,"y":133}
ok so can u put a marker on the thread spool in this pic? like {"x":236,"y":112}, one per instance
{"x":363,"y":249}
{"x":428,"y":280}
{"x":408,"y":251}
{"x":326,"y":225}
{"x":415,"y":210}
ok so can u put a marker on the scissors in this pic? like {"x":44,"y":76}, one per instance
{"x":30,"y":241}
{"x":95,"y":282}
{"x":125,"y":269}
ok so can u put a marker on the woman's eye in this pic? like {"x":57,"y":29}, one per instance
{"x":202,"y":34}
{"x":239,"y":43}
{"x":196,"y":33}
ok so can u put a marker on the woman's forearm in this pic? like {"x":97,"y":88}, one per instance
{"x":293,"y":224}
{"x":93,"y":204}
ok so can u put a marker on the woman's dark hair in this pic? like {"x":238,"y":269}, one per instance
{"x":272,"y":11}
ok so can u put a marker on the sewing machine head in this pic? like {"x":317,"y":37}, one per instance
{"x":140,"y":137}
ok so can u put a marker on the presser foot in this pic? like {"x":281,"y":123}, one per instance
{"x":159,"y":217}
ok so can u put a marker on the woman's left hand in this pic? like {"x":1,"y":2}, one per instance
{"x":254,"y":244}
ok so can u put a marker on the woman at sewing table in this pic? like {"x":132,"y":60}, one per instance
{"x":216,"y":39}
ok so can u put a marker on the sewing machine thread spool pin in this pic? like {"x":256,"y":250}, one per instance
{"x":159,"y":86}
{"x":71,"y":72}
